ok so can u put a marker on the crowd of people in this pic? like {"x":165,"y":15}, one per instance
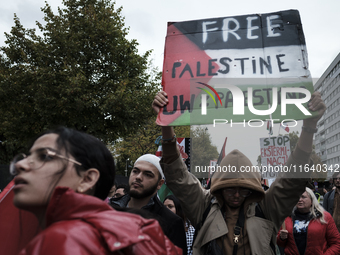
{"x":310,"y":229}
{"x":67,"y":180}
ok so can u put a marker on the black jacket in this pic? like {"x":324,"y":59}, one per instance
{"x":172,"y":224}
{"x":328,"y":201}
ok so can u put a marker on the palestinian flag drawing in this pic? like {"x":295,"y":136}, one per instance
{"x":236,"y":68}
{"x":184,"y":149}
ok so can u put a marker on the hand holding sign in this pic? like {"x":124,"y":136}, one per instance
{"x":316,"y":104}
{"x":245,"y":68}
{"x":159,"y":101}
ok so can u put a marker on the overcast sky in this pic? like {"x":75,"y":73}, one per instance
{"x":148,"y":19}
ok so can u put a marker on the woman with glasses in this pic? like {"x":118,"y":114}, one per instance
{"x":62,"y":180}
{"x":310,"y":229}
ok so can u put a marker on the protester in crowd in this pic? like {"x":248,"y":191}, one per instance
{"x":230,"y":216}
{"x":331,"y":201}
{"x":145,"y":180}
{"x":111,"y":192}
{"x":263,"y":184}
{"x":173,"y":204}
{"x":310,"y":229}
{"x":63,"y":181}
{"x":324,"y":191}
{"x":122,"y":190}
{"x":316,"y":193}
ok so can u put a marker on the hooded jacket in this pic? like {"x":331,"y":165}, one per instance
{"x":82,"y":224}
{"x":328,"y":201}
{"x":248,"y":180}
{"x":276,"y":204}
{"x":321,"y":238}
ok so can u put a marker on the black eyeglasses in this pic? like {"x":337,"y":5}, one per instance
{"x":37,"y":159}
{"x":232,"y":191}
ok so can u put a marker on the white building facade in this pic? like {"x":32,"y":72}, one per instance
{"x":327,"y":139}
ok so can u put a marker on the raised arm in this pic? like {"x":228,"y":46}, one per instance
{"x":185,"y":186}
{"x":286,"y":190}
{"x":316,"y":104}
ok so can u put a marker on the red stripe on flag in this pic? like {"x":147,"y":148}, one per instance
{"x":222,"y":153}
{"x":286,"y":128}
{"x":180,"y":47}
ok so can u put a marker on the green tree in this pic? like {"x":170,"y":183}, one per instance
{"x":202,"y":150}
{"x":141,"y":142}
{"x":127,"y":150}
{"x":81,"y":72}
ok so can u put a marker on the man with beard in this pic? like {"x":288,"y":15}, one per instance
{"x":331,"y":201}
{"x":145,"y":180}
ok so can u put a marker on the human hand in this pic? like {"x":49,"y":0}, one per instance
{"x":283,"y":234}
{"x":315,"y":104}
{"x":160,"y":101}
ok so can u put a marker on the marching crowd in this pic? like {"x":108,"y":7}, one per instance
{"x":67,"y":175}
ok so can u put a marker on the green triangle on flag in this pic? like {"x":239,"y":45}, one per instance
{"x":164,"y":192}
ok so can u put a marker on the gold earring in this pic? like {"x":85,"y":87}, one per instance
{"x":81,"y":190}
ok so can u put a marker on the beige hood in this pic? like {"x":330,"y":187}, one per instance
{"x":229,"y":175}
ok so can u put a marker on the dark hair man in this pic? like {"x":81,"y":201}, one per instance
{"x":112,"y":190}
{"x":331,"y":201}
{"x":121,"y":190}
{"x":241,"y":217}
{"x":145,"y":180}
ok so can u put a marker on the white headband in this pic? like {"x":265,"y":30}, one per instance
{"x":152,"y":159}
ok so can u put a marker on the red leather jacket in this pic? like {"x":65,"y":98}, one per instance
{"x":82,"y":224}
{"x":321,"y":238}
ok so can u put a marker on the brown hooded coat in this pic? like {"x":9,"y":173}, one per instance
{"x":276,"y":204}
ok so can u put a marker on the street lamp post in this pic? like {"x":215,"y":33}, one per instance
{"x":126,"y":167}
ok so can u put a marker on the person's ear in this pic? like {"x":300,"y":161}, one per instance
{"x":160,"y":183}
{"x":88,"y":181}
